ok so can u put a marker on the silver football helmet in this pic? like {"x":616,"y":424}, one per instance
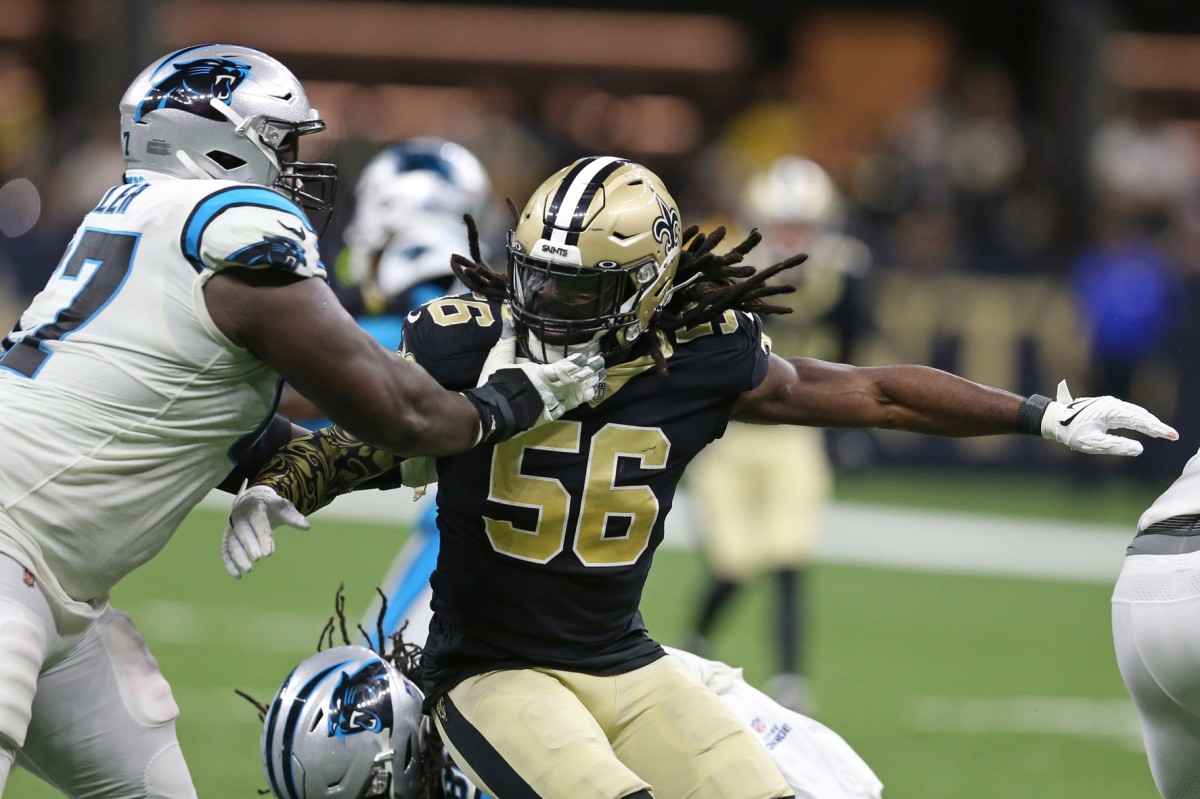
{"x":225,"y":112}
{"x":345,"y":723}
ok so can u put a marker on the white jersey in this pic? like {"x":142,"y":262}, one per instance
{"x":816,"y":762}
{"x":121,"y":403}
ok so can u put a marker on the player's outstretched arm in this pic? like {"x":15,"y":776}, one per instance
{"x":303,"y":476}
{"x":925,"y":400}
{"x":299,"y":329}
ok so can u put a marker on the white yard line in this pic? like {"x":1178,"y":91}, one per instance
{"x":874,"y":535}
{"x":953,"y":542}
{"x":1027,"y":715}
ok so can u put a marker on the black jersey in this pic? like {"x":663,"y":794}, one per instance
{"x":547,"y":538}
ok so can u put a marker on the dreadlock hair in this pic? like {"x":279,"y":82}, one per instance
{"x":405,"y":656}
{"x":706,"y":285}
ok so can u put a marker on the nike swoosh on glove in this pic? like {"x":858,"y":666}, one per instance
{"x":249,"y":532}
{"x":1083,"y":424}
{"x":567,"y":383}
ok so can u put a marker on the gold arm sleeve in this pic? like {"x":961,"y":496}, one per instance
{"x":314,"y":469}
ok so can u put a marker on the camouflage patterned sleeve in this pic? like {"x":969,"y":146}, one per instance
{"x":313,"y":470}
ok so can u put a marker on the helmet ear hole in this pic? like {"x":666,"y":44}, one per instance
{"x":225,"y":160}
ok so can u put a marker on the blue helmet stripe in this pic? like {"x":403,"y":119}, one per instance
{"x":269,"y":738}
{"x":219,"y":202}
{"x":289,"y":732}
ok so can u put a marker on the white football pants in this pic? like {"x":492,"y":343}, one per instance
{"x":88,"y":712}
{"x":1156,"y":634}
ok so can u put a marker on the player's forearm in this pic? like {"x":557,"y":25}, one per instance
{"x":278,"y":432}
{"x":915,"y":398}
{"x":394,"y":405}
{"x":428,"y":420}
{"x":299,"y":329}
{"x":313,"y":470}
{"x":925,"y":400}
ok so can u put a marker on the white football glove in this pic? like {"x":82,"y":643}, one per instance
{"x":562,"y":384}
{"x":1083,"y":424}
{"x":567,"y":383}
{"x":248,"y":537}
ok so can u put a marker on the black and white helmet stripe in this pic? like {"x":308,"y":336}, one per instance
{"x":568,"y":209}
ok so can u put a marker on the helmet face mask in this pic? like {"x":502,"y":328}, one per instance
{"x":311,"y":185}
{"x":564,"y":303}
{"x":225,"y":112}
{"x":344,"y":723}
{"x":592,"y":259}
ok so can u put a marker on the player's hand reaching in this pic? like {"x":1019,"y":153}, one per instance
{"x":521,"y":396}
{"x":512,"y":397}
{"x":1083,"y":424}
{"x":567,"y":383}
{"x":562,"y":385}
{"x":249,"y":532}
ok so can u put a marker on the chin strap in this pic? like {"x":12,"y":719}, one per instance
{"x":676,"y":287}
{"x":553,"y":352}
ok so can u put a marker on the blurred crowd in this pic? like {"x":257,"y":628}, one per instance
{"x":967,"y":260}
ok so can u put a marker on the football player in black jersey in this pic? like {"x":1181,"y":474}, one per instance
{"x":539,"y":671}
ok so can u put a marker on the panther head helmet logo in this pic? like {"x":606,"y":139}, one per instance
{"x":192,"y":84}
{"x":361,"y":702}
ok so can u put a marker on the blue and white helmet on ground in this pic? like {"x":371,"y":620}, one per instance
{"x":227,"y":112}
{"x":345,"y":723}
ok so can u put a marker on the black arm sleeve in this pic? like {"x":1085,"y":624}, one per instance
{"x":507,"y":404}
{"x":279,"y":431}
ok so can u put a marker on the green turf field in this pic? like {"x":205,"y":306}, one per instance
{"x":950,"y":686}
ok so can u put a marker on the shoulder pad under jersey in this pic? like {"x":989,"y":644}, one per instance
{"x":251,"y":226}
{"x":451,"y":337}
{"x":734,"y":349}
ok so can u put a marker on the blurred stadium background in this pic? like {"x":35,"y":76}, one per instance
{"x":986,"y":151}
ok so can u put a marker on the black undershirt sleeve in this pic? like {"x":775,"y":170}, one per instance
{"x":279,"y":431}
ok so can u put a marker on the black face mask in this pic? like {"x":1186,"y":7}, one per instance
{"x":563,"y":304}
{"x":311,"y":185}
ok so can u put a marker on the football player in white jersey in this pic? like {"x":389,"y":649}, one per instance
{"x":1155,"y":605}
{"x":148,"y":366}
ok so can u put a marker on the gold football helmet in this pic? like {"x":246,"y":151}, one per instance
{"x":592,"y":258}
